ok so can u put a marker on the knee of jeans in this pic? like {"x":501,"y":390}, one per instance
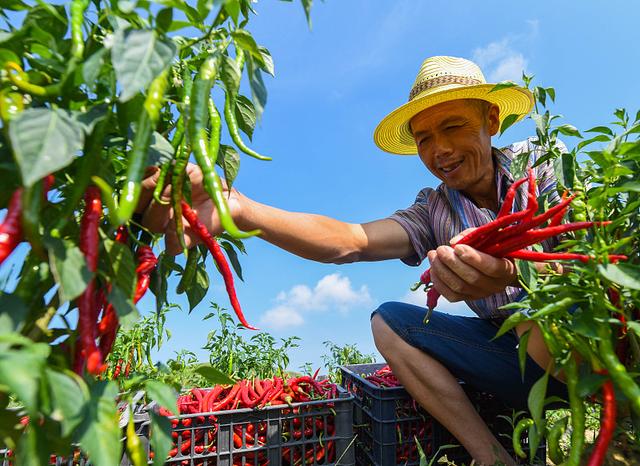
{"x":383,"y":335}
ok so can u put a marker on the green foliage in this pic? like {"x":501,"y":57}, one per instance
{"x":579,"y":311}
{"x":258,"y":356}
{"x":342,"y":355}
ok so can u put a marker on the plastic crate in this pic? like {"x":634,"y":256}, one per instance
{"x":290,"y":433}
{"x":387,"y":421}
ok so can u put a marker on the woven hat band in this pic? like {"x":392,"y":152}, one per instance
{"x":440,"y":81}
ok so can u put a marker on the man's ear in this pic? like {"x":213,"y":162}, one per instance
{"x":493,"y":119}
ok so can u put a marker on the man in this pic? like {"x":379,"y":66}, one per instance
{"x":449,"y":120}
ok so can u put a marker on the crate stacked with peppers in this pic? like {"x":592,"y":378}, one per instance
{"x":288,"y":421}
{"x":391,"y":428}
{"x":91,"y":94}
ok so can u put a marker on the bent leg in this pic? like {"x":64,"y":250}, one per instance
{"x":438,"y":391}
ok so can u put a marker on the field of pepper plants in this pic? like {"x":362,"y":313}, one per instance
{"x":92,"y":93}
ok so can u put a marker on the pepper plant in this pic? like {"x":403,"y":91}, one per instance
{"x":589,"y":314}
{"x":92,"y":93}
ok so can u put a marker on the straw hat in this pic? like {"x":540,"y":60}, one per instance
{"x":442,"y":79}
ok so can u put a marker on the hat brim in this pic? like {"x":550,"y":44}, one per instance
{"x":393,"y":134}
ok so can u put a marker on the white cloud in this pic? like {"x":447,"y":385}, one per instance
{"x":419,"y":298}
{"x":331,"y":292}
{"x":502,"y":60}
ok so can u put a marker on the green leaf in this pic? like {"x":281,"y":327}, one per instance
{"x":233,"y":258}
{"x":584,"y":323}
{"x":245,"y":41}
{"x":258,"y":89}
{"x":589,"y":384}
{"x":623,"y":274}
{"x":634,"y":327}
{"x":502,"y":85}
{"x":138,"y":56}
{"x":21,"y":371}
{"x":161,"y":441}
{"x":15,"y":5}
{"x":92,"y":66}
{"x":267,"y":61}
{"x":569,"y":130}
{"x":43,"y":141}
{"x":120,"y":265}
{"x":7,"y":55}
{"x":230,"y":74}
{"x":67,"y":399}
{"x":164,"y":18}
{"x":162,"y":394}
{"x":198,"y":289}
{"x":508,"y":121}
{"x":99,"y":434}
{"x":600,"y":129}
{"x":565,"y":170}
{"x":213,"y":376}
{"x":14,"y":313}
{"x":586,"y":142}
{"x":31,"y":449}
{"x":306,"y":4}
{"x":629,"y":186}
{"x":127,"y":312}
{"x":160,"y":150}
{"x":511,"y":322}
{"x":245,"y":115}
{"x":522,"y":351}
{"x":229,"y":161}
{"x":232,"y":7}
{"x":528,"y":273}
{"x":536,"y":398}
{"x":519,"y":165}
{"x":68,"y":267}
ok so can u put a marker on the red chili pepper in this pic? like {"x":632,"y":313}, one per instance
{"x":219,"y":258}
{"x":11,"y":227}
{"x":607,"y":424}
{"x":87,"y":305}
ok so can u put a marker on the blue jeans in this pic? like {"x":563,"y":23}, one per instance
{"x":464,"y":345}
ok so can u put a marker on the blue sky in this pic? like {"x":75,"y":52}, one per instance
{"x":333,"y":85}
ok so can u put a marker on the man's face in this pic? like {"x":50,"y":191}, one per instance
{"x":454,"y":142}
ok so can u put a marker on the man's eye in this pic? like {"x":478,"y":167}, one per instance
{"x":453,"y":126}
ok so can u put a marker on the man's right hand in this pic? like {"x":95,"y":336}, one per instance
{"x":159,"y":218}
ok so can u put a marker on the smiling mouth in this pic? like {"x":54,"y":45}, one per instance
{"x":450,"y":168}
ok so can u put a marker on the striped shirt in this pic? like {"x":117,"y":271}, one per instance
{"x":439,"y":214}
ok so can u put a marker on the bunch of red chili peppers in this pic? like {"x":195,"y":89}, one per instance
{"x":511,"y":233}
{"x":194,"y":435}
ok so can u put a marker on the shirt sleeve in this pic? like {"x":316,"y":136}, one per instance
{"x":416,"y":220}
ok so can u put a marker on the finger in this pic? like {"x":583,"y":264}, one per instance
{"x":172,"y":244}
{"x":440,"y":272}
{"x":492,"y":266}
{"x":460,"y":235}
{"x":157,"y":216}
{"x":445,"y":290}
{"x":148,"y":184}
{"x":471,"y":277}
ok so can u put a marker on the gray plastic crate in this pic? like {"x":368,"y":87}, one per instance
{"x":387,"y":419}
{"x":289,"y":433}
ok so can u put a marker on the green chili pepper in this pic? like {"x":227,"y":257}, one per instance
{"x":78,"y":7}
{"x":517,"y":434}
{"x":198,"y":115}
{"x":190,"y":268}
{"x":11,"y":104}
{"x":135,"y":449}
{"x":618,"y":373}
{"x":19,"y":79}
{"x":229,"y":112}
{"x":146,"y":123}
{"x":553,"y":441}
{"x":157,"y":191}
{"x":214,"y":133}
{"x":177,"y":183}
{"x":577,"y":413}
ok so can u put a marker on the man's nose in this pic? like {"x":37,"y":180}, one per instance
{"x":442,"y":147}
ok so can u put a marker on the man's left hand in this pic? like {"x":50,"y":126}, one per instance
{"x":464,"y":273}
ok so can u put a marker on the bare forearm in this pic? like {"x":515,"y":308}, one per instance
{"x":312,"y":236}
